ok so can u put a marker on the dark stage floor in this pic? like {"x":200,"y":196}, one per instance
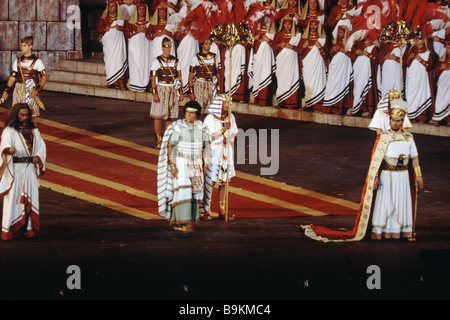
{"x":124,"y":257}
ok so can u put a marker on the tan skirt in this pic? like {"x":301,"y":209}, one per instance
{"x":167,"y":107}
{"x":203,"y":91}
{"x":19,"y":97}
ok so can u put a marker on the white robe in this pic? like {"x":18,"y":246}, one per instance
{"x":314,"y":73}
{"x":362,"y":79}
{"x":115,"y":53}
{"x":262,"y":66}
{"x":139,"y":61}
{"x":442,"y":104}
{"x":238,"y":57}
{"x":390,"y":74}
{"x":340,"y":75}
{"x":19,"y":182}
{"x":288,"y":70}
{"x":186,"y":49}
{"x":393,"y":204}
{"x":220,"y":153}
{"x":418,"y":90}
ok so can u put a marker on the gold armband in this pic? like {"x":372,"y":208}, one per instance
{"x":154,"y":91}
{"x":417,"y":171}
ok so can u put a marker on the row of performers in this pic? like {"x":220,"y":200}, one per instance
{"x":284,"y":67}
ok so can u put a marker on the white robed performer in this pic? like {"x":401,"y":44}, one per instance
{"x":182,"y":183}
{"x":139,"y":49}
{"x":314,"y":69}
{"x":442,"y":102}
{"x":158,"y":30}
{"x":417,"y":83}
{"x":262,"y":66}
{"x":23,"y":155}
{"x":238,"y":57}
{"x":340,"y":72}
{"x":222,"y":127}
{"x":389,"y":71}
{"x":187,"y":44}
{"x":380,"y":120}
{"x":363,"y":76}
{"x":393,"y":208}
{"x":114,"y":45}
{"x":287,"y":62}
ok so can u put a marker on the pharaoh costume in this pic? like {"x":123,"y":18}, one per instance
{"x":19,"y":184}
{"x":314,"y":68}
{"x":138,"y":50}
{"x":380,"y":118}
{"x":337,"y":98}
{"x":27,"y":70}
{"x":114,"y":46}
{"x":392,"y":204}
{"x":204,"y":69}
{"x":179,"y":198}
{"x":222,"y":158}
{"x":418,"y":82}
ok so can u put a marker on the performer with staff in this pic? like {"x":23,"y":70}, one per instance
{"x":223,"y":129}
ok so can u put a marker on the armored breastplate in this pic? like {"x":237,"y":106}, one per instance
{"x":28,"y":72}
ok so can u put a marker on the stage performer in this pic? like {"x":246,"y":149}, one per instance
{"x":389,"y":78}
{"x":181,"y":177}
{"x":222,"y":127}
{"x":338,"y":98}
{"x":313,"y":10}
{"x":291,"y":8}
{"x":110,"y":28}
{"x":167,"y":89}
{"x":287,"y":64}
{"x":365,"y":64}
{"x":262,"y":66}
{"x":313,"y":53}
{"x":339,"y":12}
{"x":380,"y":120}
{"x":158,"y":30}
{"x":138,"y":48}
{"x":187,"y":44}
{"x":442,"y":105}
{"x":394,"y":204}
{"x":204,"y":75}
{"x":25,"y":74}
{"x":23,"y":154}
{"x":418,"y":82}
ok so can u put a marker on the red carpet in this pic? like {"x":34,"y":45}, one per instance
{"x":122,"y":175}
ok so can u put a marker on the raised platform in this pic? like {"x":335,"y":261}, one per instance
{"x":87,"y":77}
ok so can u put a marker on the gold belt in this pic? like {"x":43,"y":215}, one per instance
{"x":389,"y":167}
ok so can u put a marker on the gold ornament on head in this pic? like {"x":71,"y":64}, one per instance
{"x":399,"y":108}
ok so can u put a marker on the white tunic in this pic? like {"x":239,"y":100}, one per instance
{"x":19,"y":182}
{"x":220,"y":153}
{"x":139,"y":61}
{"x":115,"y":53}
{"x":393,"y":204}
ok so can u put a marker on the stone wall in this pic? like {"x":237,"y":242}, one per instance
{"x":48,"y":21}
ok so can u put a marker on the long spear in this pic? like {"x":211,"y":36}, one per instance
{"x":230,"y":35}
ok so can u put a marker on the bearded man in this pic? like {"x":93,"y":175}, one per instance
{"x":23,"y":154}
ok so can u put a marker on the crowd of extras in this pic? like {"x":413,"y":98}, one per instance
{"x":330,"y":20}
